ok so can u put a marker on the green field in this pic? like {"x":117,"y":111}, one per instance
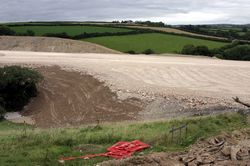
{"x":24,"y":145}
{"x":70,"y":30}
{"x":160,"y":43}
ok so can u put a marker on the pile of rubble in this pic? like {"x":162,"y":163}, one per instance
{"x":223,"y":150}
{"x":226,"y":149}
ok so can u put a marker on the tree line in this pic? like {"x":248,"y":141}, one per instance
{"x":235,"y":51}
{"x":219,"y":32}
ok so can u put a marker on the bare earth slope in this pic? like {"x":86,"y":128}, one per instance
{"x":70,"y":98}
{"x":49,"y":44}
{"x":165,"y":86}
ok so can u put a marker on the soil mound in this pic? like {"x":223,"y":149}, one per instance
{"x":225,"y":149}
{"x":50,"y":44}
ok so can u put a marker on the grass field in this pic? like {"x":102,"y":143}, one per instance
{"x":70,"y":30}
{"x":24,"y":145}
{"x":160,"y":43}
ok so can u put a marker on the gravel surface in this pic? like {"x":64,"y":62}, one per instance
{"x":162,"y":87}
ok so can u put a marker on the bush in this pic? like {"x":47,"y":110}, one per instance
{"x":131,"y":52}
{"x":4,"y":30}
{"x":193,"y":50}
{"x":60,"y":35}
{"x":202,"y":50}
{"x":17,"y":86}
{"x":30,"y":33}
{"x":240,"y":52}
{"x":2,"y":112}
{"x":148,"y":51}
{"x":189,"y":49}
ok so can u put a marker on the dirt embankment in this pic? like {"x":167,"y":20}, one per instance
{"x":70,"y":98}
{"x":50,"y":44}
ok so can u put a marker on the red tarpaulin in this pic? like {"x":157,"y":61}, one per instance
{"x":119,"y":150}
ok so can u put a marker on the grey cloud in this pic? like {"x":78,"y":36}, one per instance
{"x":169,"y":11}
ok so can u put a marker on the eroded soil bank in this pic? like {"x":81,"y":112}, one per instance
{"x":71,"y":98}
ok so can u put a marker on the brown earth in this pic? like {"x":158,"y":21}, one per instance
{"x":226,"y":149}
{"x":50,"y":44}
{"x":70,"y":98}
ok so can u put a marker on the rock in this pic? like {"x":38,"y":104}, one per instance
{"x":226,"y":151}
{"x":188,"y":159}
{"x":234,"y":151}
{"x":243,"y":154}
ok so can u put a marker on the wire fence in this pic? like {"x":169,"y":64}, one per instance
{"x":178,"y":133}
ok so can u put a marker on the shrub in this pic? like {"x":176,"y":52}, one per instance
{"x":30,"y":33}
{"x":240,"y":52}
{"x":17,"y":86}
{"x":202,"y":50}
{"x":131,"y":52}
{"x":189,"y":49}
{"x":193,"y":50}
{"x":2,"y":112}
{"x":60,"y":35}
{"x":4,"y":30}
{"x":148,"y":51}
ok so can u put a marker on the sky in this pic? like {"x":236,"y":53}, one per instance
{"x":167,"y":11}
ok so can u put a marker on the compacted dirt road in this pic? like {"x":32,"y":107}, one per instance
{"x":129,"y":87}
{"x":152,"y":74}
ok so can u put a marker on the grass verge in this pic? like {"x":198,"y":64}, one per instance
{"x":25,"y":145}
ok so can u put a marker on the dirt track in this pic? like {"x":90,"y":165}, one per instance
{"x":165,"y":86}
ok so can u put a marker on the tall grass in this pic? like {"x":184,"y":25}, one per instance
{"x":45,"y":146}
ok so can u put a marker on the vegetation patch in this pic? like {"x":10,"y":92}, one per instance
{"x":25,"y":145}
{"x":17,"y":86}
{"x":234,"y":51}
{"x":227,"y":31}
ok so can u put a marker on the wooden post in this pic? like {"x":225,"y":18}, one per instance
{"x":180,"y":135}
